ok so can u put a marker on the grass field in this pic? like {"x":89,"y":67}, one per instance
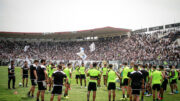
{"x":75,"y":94}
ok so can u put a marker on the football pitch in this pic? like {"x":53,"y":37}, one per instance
{"x":75,"y":94}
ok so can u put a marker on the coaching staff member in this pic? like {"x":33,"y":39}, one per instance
{"x":11,"y":75}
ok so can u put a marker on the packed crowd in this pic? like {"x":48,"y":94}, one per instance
{"x":136,"y":47}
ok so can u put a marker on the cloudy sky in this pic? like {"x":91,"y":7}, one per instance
{"x":73,"y":15}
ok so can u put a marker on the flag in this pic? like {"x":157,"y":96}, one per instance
{"x":82,"y":54}
{"x":26,"y":48}
{"x":92,"y":47}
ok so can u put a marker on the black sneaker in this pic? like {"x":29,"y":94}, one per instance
{"x":37,"y":100}
{"x":32,"y":96}
{"x":28,"y":94}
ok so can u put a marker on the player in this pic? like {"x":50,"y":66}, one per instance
{"x":131,"y":69}
{"x":164,"y":82}
{"x":11,"y":75}
{"x":33,"y":77}
{"x":51,"y":68}
{"x":92,"y":86}
{"x":156,"y":80}
{"x":136,"y":82}
{"x":173,"y":80}
{"x":77,"y":73}
{"x":111,"y":78}
{"x":104,"y":72}
{"x":24,"y":73}
{"x":58,"y":76}
{"x":99,"y":77}
{"x":148,"y":87}
{"x":145,"y":75}
{"x":82,"y":74}
{"x":42,"y":79}
{"x":68,"y":73}
{"x":125,"y":80}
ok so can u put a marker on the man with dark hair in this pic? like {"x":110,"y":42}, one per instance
{"x":42,"y":79}
{"x":145,"y":75}
{"x":68,"y":73}
{"x":136,"y":82}
{"x":156,"y":80}
{"x":82,"y":74}
{"x":92,"y":86}
{"x":58,"y":76}
{"x":24,"y":73}
{"x":33,"y":77}
{"x":11,"y":75}
{"x":111,"y":78}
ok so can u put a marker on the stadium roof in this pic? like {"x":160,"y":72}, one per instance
{"x":99,"y":32}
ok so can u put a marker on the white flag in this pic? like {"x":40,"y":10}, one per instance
{"x":82,"y":54}
{"x":26,"y":48}
{"x":92,"y":47}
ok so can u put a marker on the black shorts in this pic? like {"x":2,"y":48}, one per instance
{"x":135,"y":92}
{"x":173,"y":81}
{"x":92,"y":86}
{"x":82,"y":76}
{"x":57,"y":90}
{"x":112,"y":86}
{"x":125,"y":83}
{"x":156,"y":87}
{"x":33,"y":82}
{"x":77,"y":76}
{"x":136,"y":89}
{"x":25,"y":76}
{"x":41,"y":86}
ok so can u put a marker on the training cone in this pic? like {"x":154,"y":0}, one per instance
{"x":15,"y":92}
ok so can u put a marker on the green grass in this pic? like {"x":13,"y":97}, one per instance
{"x":75,"y":94}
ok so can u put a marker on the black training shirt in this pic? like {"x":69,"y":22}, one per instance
{"x":11,"y":71}
{"x":145,"y":74}
{"x":25,"y":70}
{"x":136,"y":77}
{"x":58,"y":77}
{"x":32,"y":68}
{"x":40,"y":72}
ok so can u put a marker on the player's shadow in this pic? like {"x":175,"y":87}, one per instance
{"x":26,"y":98}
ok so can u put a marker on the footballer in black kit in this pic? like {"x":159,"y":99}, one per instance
{"x":58,"y":76}
{"x":145,"y":75}
{"x":25,"y":70}
{"x":137,"y":82}
{"x":33,"y":77}
{"x":42,"y":79}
